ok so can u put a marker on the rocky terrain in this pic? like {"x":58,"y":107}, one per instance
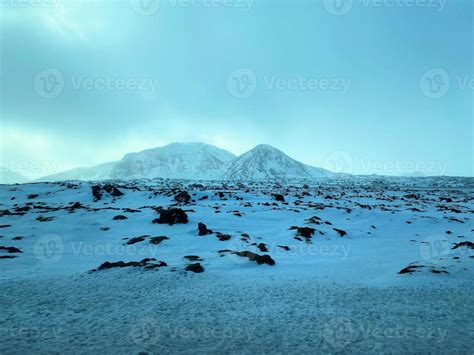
{"x":363,"y":264}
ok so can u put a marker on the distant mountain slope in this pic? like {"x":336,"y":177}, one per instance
{"x":177,"y":160}
{"x":97,"y":172}
{"x":267,"y":162}
{"x":8,"y":176}
{"x":197,"y":161}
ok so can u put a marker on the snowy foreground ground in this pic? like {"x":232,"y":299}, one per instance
{"x":336,"y":289}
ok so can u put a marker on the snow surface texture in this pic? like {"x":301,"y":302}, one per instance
{"x":336,"y":290}
{"x":196,"y":161}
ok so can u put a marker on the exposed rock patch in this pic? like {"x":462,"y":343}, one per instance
{"x":196,"y":268}
{"x":202,"y":229}
{"x":259,"y":259}
{"x":182,"y":197}
{"x":11,"y":250}
{"x":158,"y":240}
{"x":171,"y":216}
{"x":148,"y":263}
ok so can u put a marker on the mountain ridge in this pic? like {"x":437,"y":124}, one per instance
{"x":197,"y":161}
{"x":175,"y":160}
{"x":267,"y":162}
{"x":8,"y":176}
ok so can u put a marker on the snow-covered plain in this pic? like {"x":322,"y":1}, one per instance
{"x":337,"y":290}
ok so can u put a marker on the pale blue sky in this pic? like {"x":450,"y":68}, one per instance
{"x":348,"y":92}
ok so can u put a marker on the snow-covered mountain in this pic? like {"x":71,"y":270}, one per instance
{"x":267,"y":162}
{"x":8,"y":176}
{"x":97,"y":172}
{"x":197,"y":161}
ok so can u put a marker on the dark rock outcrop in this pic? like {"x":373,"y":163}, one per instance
{"x":305,"y":232}
{"x":171,"y":216}
{"x":158,"y":240}
{"x":182,"y":197}
{"x":341,"y":232}
{"x":148,"y":263}
{"x":259,"y":259}
{"x":112,"y":190}
{"x":11,"y":250}
{"x":196,"y":267}
{"x":136,"y":240}
{"x":96,"y":192}
{"x":202,"y":229}
{"x":279,"y":197}
{"x":223,"y":237}
{"x":466,"y":244}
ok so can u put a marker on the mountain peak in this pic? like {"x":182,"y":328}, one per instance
{"x":267,"y":162}
{"x":186,"y":144}
{"x":197,"y":161}
{"x":266,"y":149}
